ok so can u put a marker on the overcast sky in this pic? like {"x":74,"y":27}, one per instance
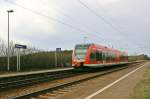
{"x":48,"y":24}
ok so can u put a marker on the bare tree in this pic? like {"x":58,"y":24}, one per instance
{"x":14,"y":51}
{"x":3,"y":48}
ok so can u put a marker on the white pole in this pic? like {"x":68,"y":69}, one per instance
{"x":8,"y":45}
{"x":56,"y":58}
{"x":17,"y":61}
{"x":8,"y":66}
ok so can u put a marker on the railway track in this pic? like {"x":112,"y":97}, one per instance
{"x":46,"y":93}
{"x":30,"y":79}
{"x":20,"y":81}
{"x":26,"y":80}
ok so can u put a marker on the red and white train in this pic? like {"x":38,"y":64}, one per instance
{"x":92,"y":55}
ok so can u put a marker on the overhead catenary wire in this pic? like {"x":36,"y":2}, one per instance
{"x":94,"y":33}
{"x":49,"y":17}
{"x":101,"y":17}
{"x":116,"y":25}
{"x":108,"y":17}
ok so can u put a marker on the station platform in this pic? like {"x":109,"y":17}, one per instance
{"x":13,"y":74}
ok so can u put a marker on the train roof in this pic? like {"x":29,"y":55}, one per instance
{"x":102,"y":46}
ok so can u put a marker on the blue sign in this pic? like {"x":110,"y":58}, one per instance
{"x":58,"y":49}
{"x":20,"y":46}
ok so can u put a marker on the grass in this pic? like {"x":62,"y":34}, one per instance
{"x":142,"y":89}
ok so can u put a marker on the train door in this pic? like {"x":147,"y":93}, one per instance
{"x":103,"y":57}
{"x":99,"y":56}
{"x":93,"y":57}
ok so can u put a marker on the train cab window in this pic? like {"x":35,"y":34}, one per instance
{"x":81,"y":51}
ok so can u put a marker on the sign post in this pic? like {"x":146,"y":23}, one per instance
{"x":55,"y":59}
{"x":57,"y":50}
{"x":18,"y":46}
{"x":17,"y":60}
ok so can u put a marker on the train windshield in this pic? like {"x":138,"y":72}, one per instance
{"x":80,"y":51}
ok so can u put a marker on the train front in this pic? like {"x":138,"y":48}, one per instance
{"x":79,"y":55}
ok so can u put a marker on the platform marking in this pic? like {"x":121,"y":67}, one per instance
{"x":108,"y":86}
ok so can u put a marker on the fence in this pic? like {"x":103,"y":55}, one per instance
{"x":37,"y":61}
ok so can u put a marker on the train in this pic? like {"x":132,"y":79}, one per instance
{"x":95,"y":55}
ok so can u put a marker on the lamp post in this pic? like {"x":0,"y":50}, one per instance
{"x":8,"y":67}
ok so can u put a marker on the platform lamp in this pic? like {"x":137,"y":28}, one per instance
{"x":8,"y":66}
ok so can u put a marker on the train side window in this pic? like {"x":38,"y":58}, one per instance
{"x":100,"y":56}
{"x":97,"y":55}
{"x":103,"y":56}
{"x":93,"y":55}
{"x":113,"y":56}
{"x":107,"y":56}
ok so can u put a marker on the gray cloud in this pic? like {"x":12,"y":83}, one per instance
{"x":130,"y":17}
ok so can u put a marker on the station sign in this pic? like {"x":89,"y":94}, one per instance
{"x":20,"y":46}
{"x":58,"y":49}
